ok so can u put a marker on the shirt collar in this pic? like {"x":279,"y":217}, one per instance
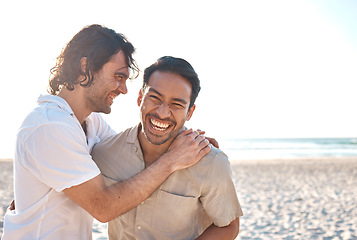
{"x":133,"y":134}
{"x":57,"y":100}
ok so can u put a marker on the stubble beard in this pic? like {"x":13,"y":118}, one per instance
{"x":96,"y":99}
{"x":157,"y":139}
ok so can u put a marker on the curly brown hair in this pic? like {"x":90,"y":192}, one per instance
{"x":97,"y":44}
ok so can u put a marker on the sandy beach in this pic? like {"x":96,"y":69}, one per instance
{"x":281,"y":199}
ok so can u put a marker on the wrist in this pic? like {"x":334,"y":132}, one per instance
{"x":166,"y":163}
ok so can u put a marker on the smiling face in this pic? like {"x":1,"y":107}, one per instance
{"x":108,"y":83}
{"x":164,"y":106}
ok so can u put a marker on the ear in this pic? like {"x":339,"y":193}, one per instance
{"x":83,"y":64}
{"x":140,"y":97}
{"x":190,"y":112}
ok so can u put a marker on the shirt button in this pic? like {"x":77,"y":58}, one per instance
{"x":139,"y":227}
{"x":142,"y":203}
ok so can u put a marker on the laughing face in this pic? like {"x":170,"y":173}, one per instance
{"x":164,"y":106}
{"x":108,"y":83}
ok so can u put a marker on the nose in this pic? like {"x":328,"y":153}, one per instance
{"x":122,"y":87}
{"x":163,"y":111}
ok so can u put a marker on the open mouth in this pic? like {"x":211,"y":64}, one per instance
{"x":159,"y":125}
{"x":111,"y":98}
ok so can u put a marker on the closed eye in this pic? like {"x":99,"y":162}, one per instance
{"x":154,"y":97}
{"x":178,"y":105}
{"x":120,"y":76}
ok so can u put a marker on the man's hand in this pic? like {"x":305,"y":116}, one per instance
{"x":187,"y":149}
{"x":211,"y":140}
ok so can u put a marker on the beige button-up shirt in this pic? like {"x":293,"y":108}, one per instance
{"x":187,"y":203}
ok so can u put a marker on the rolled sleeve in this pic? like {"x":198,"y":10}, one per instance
{"x":219,"y":198}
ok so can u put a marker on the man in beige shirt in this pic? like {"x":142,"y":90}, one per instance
{"x":199,"y":202}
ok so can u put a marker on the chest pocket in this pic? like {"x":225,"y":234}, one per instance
{"x":173,"y":213}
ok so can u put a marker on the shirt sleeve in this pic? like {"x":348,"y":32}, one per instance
{"x":58,"y":156}
{"x":219,"y":197}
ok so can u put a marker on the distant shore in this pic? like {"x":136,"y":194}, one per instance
{"x":281,"y":198}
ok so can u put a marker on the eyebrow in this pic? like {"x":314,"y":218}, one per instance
{"x":122,"y":73}
{"x":175,"y":99}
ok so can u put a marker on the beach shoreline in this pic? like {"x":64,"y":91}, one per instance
{"x":310,"y":198}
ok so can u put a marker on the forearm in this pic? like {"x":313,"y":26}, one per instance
{"x":126,"y":195}
{"x":222,"y":233}
{"x":107,"y":203}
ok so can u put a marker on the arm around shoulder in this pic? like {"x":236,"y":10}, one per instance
{"x":106,"y":203}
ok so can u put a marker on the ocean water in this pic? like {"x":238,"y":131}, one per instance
{"x":288,"y":148}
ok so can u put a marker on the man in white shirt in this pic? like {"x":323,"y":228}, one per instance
{"x":58,"y":188}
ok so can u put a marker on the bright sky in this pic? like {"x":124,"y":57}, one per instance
{"x":272,"y":68}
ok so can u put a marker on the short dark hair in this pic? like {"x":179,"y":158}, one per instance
{"x":178,"y":66}
{"x":97,"y":44}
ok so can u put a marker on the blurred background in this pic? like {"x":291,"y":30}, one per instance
{"x":268,"y":69}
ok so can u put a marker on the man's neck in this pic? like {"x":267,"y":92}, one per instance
{"x":76,"y":101}
{"x":151,"y":152}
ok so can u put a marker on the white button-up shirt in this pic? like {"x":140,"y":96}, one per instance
{"x":52,"y":154}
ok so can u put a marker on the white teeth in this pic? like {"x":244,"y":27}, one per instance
{"x":158,"y":125}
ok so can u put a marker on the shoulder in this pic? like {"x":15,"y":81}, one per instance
{"x":112,"y":141}
{"x":216,"y":152}
{"x":50,"y":110}
{"x":47,"y":113}
{"x":215,"y":156}
{"x":112,"y":153}
{"x":215,"y":161}
{"x":109,"y":146}
{"x":50,"y":120}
